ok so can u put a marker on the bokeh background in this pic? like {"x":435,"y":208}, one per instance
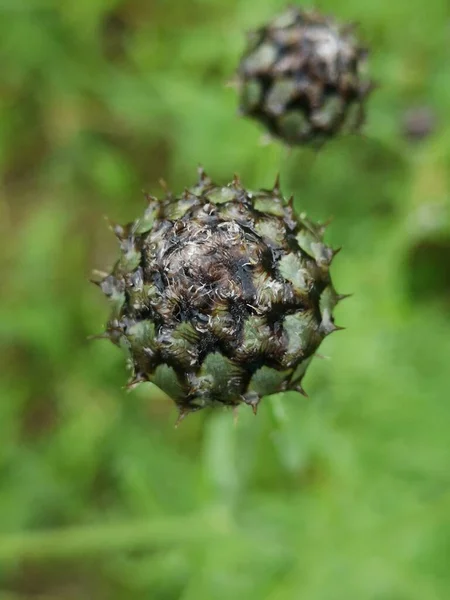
{"x":345,"y":495}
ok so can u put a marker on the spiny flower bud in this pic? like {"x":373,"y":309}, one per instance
{"x":221,"y":295}
{"x":300,"y":76}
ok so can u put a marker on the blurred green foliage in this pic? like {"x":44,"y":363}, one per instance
{"x":345,"y":495}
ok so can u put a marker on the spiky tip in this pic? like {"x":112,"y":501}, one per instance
{"x":276,"y":186}
{"x":202,"y":176}
{"x":182,"y":414}
{"x":299,"y":388}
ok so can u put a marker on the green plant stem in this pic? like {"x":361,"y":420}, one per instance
{"x":109,"y":537}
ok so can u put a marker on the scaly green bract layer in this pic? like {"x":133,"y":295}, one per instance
{"x":222,"y":295}
{"x":301,"y":77}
